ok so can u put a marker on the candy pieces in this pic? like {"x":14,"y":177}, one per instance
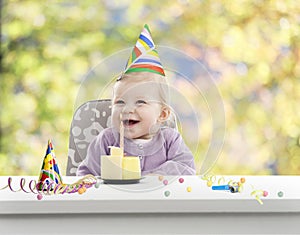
{"x":82,"y":190}
{"x":97,"y":185}
{"x":209,"y":183}
{"x":265,"y":193}
{"x":189,"y":189}
{"x":280,"y":194}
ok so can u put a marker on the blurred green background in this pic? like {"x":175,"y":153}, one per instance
{"x":252,"y":48}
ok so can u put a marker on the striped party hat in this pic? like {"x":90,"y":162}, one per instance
{"x":49,"y":175}
{"x":144,"y":57}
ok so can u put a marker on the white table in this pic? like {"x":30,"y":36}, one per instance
{"x":144,"y":208}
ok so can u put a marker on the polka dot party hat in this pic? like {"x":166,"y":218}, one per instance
{"x":144,"y":57}
{"x":49,"y":172}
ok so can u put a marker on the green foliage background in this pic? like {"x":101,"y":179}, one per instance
{"x":252,"y":46}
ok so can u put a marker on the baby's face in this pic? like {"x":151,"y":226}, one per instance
{"x":139,"y":107}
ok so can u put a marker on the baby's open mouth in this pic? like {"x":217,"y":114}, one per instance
{"x":130,"y":122}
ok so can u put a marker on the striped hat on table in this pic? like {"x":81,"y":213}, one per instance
{"x":144,"y":57}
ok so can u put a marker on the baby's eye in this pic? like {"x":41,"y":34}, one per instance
{"x":120,"y":102}
{"x":140,"y":102}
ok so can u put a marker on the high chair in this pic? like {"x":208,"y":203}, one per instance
{"x":88,"y":120}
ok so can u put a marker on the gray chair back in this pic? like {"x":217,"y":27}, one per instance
{"x":88,"y":120}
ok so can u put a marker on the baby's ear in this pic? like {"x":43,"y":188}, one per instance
{"x":164,"y":114}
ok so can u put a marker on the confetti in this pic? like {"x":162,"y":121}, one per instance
{"x":258,"y":194}
{"x":189,"y":189}
{"x":221,"y":181}
{"x":181,"y":180}
{"x":211,"y":178}
{"x":167,"y":193}
{"x":241,"y":188}
{"x":259,"y":200}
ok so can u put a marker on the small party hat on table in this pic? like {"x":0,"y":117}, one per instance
{"x":144,"y":57}
{"x":49,"y":175}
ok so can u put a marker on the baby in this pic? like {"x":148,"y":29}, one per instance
{"x":140,"y":102}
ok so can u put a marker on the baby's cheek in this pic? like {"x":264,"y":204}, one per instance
{"x":115,"y":118}
{"x":153,"y":112}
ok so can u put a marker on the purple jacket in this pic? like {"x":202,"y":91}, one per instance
{"x":165,"y":154}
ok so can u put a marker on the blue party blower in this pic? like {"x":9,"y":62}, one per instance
{"x":221,"y":187}
{"x":232,"y":189}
